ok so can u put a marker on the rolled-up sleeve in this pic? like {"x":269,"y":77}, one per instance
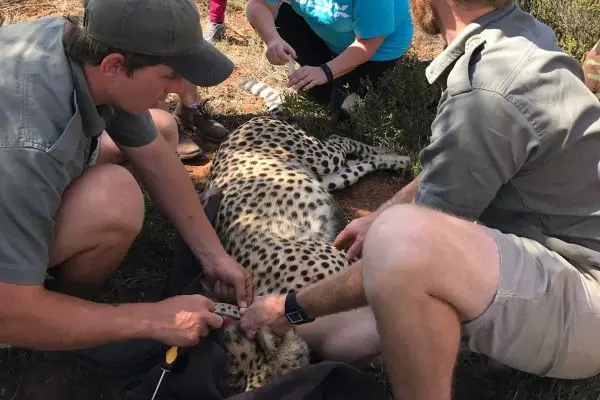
{"x":132,"y":130}
{"x":479,"y":141}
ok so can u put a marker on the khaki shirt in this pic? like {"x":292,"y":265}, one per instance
{"x":48,"y":123}
{"x":515,"y":144}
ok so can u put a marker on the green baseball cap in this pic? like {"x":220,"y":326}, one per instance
{"x":166,"y":28}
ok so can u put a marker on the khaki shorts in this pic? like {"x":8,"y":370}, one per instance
{"x":545,"y":317}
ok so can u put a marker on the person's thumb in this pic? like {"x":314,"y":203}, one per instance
{"x":240,"y":292}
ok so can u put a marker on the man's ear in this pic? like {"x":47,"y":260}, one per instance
{"x":111,"y":65}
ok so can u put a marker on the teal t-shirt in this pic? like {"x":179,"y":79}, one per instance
{"x":339,"y":22}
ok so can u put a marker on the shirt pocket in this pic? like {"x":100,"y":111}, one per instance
{"x":70,"y":148}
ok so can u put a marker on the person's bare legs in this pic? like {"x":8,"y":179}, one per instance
{"x":349,"y":337}
{"x":101,"y":213}
{"x":423,"y":277}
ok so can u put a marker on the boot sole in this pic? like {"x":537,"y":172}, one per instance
{"x":189,"y":156}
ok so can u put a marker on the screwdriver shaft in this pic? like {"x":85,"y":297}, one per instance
{"x":158,"y":385}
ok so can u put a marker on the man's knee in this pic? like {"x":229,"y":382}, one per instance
{"x":412,"y":250}
{"x":400,"y":240}
{"x":110,"y":193}
{"x":166,"y":126}
{"x":104,"y":205}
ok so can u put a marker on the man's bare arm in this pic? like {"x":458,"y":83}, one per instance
{"x":165,"y":177}
{"x":337,"y":293}
{"x":169,"y":184}
{"x":35,"y":318}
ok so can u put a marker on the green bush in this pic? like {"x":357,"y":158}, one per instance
{"x":398,"y":115}
{"x":575,"y":22}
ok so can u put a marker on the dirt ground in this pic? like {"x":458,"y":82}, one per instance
{"x":34,"y":376}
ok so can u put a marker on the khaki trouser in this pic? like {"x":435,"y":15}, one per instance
{"x":545,"y":317}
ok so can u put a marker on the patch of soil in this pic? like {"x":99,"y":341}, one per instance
{"x":368,"y":194}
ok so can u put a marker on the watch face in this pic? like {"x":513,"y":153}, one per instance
{"x":295,"y":317}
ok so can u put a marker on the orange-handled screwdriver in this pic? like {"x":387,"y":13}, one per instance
{"x":167,"y":366}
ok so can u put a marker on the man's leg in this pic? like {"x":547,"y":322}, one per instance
{"x":435,"y":277}
{"x":349,"y":337}
{"x":422,"y":278}
{"x":100,"y":215}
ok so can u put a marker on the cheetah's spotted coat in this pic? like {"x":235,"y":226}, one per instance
{"x":276,"y":219}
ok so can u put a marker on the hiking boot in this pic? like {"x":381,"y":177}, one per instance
{"x":187,"y":148}
{"x":214,"y":32}
{"x":198,"y":120}
{"x":591,"y":68}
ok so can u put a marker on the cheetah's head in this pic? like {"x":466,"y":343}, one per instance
{"x":254,"y":363}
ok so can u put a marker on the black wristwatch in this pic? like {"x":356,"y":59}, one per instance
{"x":293,"y":312}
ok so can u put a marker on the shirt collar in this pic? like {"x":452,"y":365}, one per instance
{"x":459,"y":45}
{"x":93,"y":122}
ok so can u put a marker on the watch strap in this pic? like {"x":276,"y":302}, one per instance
{"x":293,"y":312}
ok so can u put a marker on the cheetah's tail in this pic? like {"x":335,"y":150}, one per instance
{"x":271,"y":96}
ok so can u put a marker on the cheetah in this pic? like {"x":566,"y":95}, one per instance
{"x":277,"y":219}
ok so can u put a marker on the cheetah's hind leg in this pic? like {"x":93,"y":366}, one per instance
{"x":353,"y":147}
{"x":357,"y":169}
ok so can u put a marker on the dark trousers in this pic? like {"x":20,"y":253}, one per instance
{"x":312,"y":50}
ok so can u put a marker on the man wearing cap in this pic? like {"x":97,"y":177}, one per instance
{"x":74,"y":121}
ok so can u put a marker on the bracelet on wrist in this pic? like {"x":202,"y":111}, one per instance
{"x":327,"y":71}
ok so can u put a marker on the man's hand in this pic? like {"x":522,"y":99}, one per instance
{"x":231,"y":277}
{"x":266,"y":310}
{"x":307,"y":77}
{"x":183,"y":320}
{"x":352,"y":237}
{"x":279,"y":51}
